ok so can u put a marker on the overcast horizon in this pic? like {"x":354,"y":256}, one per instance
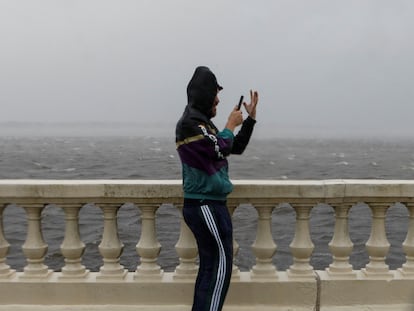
{"x":323,"y":68}
{"x":159,"y":130}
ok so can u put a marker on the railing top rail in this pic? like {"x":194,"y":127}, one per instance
{"x":338,"y":190}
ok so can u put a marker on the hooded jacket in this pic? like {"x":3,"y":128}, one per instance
{"x":202,"y":148}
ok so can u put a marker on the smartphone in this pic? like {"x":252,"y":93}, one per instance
{"x":240,"y":102}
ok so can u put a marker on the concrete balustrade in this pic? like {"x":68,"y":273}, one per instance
{"x":72,"y":247}
{"x":148,"y":247}
{"x":408,"y":245}
{"x":34,"y":248}
{"x":302,"y":246}
{"x":5,"y":271}
{"x":186,"y":248}
{"x":264,"y":287}
{"x":111,"y":247}
{"x":341,"y":245}
{"x":264,"y":248}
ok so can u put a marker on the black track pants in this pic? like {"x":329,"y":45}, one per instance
{"x":211,"y":225}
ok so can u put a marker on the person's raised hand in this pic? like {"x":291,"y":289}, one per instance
{"x":251,"y":108}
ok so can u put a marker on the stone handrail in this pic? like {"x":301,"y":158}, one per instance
{"x":301,"y":285}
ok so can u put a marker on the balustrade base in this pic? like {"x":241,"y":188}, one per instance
{"x":406,"y":274}
{"x":119,"y":275}
{"x":35,"y":276}
{"x":266,"y":271}
{"x":333,"y":274}
{"x":7,"y":274}
{"x":186,"y":272}
{"x":185,"y":276}
{"x":388,"y":275}
{"x":68,"y":276}
{"x":245,"y":293}
{"x":235,"y":274}
{"x":306,"y":275}
{"x":271,"y":276}
{"x":148,"y":276}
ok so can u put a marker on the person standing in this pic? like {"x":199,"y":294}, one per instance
{"x":203,"y":151}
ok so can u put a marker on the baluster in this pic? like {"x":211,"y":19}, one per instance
{"x":111,"y":247}
{"x":72,"y":247}
{"x":341,"y":245}
{"x":264,"y":247}
{"x":5,"y":271}
{"x":186,"y":248}
{"x":35,"y":248}
{"x":377,"y":245}
{"x":148,"y":247}
{"x":236,"y":272}
{"x":408,"y":245}
{"x":301,"y":246}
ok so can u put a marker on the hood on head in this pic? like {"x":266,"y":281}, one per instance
{"x":202,"y":90}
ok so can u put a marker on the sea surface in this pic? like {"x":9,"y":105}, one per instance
{"x":125,"y":157}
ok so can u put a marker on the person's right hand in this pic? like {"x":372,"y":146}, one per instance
{"x":235,"y":119}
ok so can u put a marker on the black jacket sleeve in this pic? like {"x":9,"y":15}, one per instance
{"x":243,"y":136}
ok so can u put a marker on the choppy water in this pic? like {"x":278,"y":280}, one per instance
{"x":150,"y":158}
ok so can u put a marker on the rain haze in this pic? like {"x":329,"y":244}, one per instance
{"x":321,"y":67}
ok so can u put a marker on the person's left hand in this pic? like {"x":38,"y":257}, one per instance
{"x":251,"y":108}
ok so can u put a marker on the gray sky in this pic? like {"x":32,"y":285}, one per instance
{"x":321,"y":66}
